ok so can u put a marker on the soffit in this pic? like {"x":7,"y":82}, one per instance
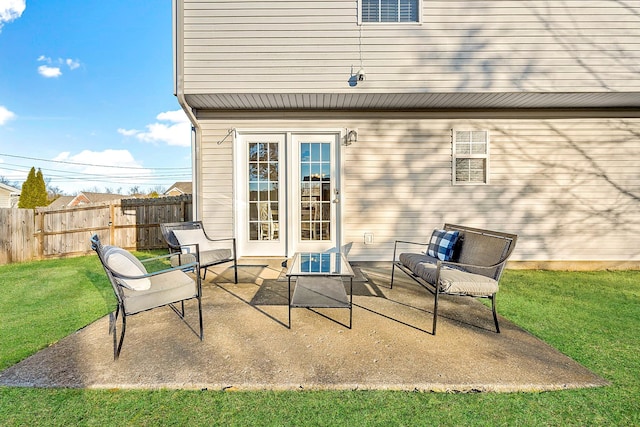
{"x":404,"y":101}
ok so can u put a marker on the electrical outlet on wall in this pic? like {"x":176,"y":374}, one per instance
{"x":368,"y":238}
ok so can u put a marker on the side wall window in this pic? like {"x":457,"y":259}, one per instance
{"x":390,"y":10}
{"x":470,"y":157}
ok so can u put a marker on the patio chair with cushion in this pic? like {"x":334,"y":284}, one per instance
{"x":188,"y":242}
{"x":138,"y":290}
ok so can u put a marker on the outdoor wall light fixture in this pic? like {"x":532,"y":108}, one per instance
{"x":356,"y":77}
{"x":352,"y":136}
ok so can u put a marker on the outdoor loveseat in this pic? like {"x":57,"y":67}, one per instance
{"x":457,"y":260}
{"x":188,"y":242}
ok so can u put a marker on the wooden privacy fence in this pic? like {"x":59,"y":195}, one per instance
{"x":17,"y":242}
{"x":49,"y":233}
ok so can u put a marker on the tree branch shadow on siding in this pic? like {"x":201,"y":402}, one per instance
{"x":478,"y":58}
{"x":547,"y":204}
{"x":571,"y":193}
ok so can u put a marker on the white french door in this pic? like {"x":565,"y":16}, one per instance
{"x":314,"y":191}
{"x":288,"y":193}
{"x":260,"y":207}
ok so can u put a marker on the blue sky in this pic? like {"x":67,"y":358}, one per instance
{"x":86,"y":95}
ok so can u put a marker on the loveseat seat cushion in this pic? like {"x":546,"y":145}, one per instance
{"x":453,"y":281}
{"x":411,"y":260}
{"x":165,"y":288}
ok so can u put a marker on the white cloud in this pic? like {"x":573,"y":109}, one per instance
{"x":176,"y":132}
{"x":53,"y":67}
{"x":72,"y":64}
{"x":11,"y":10}
{"x":49,"y":72}
{"x":5,"y":115}
{"x":125,"y":132}
{"x":88,"y":158}
{"x":177,"y":116}
{"x":101,"y":169}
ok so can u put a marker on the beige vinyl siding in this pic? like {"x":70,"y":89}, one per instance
{"x":215,"y":182}
{"x":570,"y":188}
{"x":460,"y":46}
{"x":5,"y":199}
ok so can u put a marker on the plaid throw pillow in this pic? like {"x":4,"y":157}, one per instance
{"x":441,"y":244}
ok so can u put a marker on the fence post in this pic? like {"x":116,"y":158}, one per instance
{"x":112,"y":226}
{"x":39,"y":220}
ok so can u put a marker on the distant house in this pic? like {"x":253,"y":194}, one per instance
{"x":9,"y":196}
{"x":61,"y":202}
{"x":84,"y":198}
{"x":179,"y":188}
{"x":328,"y":123}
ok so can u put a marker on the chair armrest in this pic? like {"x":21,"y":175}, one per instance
{"x":405,"y":242}
{"x":154,"y":273}
{"x":220,"y":240}
{"x":178,"y":267}
{"x":412,"y":243}
{"x":173,"y":247}
{"x":197,"y":245}
{"x":459,"y":264}
{"x":155,"y":258}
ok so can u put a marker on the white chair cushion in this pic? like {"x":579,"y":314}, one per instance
{"x":214,"y":256}
{"x":169,"y":287}
{"x":209,"y":253}
{"x":182,"y":259}
{"x":124,"y":263}
{"x":189,"y":238}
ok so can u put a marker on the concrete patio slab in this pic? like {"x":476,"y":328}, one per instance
{"x":248,"y":346}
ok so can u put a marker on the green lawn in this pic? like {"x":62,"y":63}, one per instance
{"x":594,"y":317}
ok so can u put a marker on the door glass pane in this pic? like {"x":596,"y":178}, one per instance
{"x":315,"y":191}
{"x":264,"y":183}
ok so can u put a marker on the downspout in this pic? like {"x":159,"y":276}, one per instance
{"x":178,"y":91}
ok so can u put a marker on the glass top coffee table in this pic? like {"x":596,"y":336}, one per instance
{"x":318,"y":282}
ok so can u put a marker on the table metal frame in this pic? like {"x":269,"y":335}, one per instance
{"x":320,"y":285}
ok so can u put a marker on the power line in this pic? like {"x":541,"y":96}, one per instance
{"x":57,"y":173}
{"x":136,"y":176}
{"x":87,"y":164}
{"x":140,"y":172}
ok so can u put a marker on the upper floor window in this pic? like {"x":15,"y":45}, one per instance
{"x":470,"y":157}
{"x":390,"y":10}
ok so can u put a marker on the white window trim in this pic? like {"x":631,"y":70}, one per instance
{"x":455,"y":156}
{"x":419,"y":21}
